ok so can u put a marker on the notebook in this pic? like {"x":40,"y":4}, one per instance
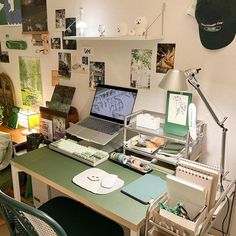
{"x":197,"y":178}
{"x":146,"y":188}
{"x":204,"y":175}
{"x":110,"y":106}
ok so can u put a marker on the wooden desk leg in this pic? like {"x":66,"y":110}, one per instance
{"x":134,"y":233}
{"x":16,"y":182}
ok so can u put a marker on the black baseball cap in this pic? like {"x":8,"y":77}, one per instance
{"x":217,"y":22}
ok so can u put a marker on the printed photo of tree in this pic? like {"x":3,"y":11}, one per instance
{"x":140,"y":73}
{"x":30,"y":80}
{"x":97,"y":74}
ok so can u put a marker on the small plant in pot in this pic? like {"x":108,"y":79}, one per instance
{"x":1,"y":114}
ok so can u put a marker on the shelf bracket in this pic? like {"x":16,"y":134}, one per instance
{"x":161,"y":14}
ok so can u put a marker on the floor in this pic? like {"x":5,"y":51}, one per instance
{"x":3,"y":229}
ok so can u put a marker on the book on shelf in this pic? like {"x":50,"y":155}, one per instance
{"x":145,"y":143}
{"x":171,"y":149}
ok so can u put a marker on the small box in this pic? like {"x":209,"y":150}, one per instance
{"x":148,"y":121}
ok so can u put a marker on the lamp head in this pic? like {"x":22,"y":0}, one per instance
{"x":174,"y":80}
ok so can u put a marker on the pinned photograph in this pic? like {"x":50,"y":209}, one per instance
{"x":45,"y":127}
{"x":69,"y":44}
{"x":10,"y":12}
{"x":55,"y":43}
{"x":60,"y":24}
{"x":55,"y":79}
{"x":80,"y":64}
{"x":86,"y":51}
{"x":4,"y":57}
{"x":34,"y":16}
{"x":70,"y":27}
{"x":30,"y":81}
{"x":59,"y":127}
{"x":165,"y":57}
{"x":140,"y":73}
{"x":64,"y":64}
{"x":97,"y":74}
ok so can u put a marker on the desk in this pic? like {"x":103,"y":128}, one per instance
{"x":58,"y":170}
{"x":17,"y":137}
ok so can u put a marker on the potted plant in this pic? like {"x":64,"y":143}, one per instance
{"x":1,"y":114}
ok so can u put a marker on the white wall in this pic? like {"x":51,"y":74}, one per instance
{"x":217,"y":77}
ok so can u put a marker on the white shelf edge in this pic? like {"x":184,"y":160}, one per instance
{"x":111,"y":38}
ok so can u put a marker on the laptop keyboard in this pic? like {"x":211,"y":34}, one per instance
{"x":100,"y":125}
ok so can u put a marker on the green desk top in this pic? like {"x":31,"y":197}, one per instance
{"x":58,"y":170}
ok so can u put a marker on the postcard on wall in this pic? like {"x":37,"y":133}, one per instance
{"x":59,"y":127}
{"x":165,"y":57}
{"x":61,"y":98}
{"x":140,"y":74}
{"x":70,"y":27}
{"x":64,"y":64}
{"x":69,"y":44}
{"x":96,"y":73}
{"x":10,"y":13}
{"x":34,"y":16}
{"x":55,"y":79}
{"x":30,"y":80}
{"x":45,"y":127}
{"x":86,"y":51}
{"x":4,"y":57}
{"x":55,"y":43}
{"x":60,"y":23}
{"x":79,"y":64}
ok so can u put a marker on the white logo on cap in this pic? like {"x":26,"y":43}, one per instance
{"x":212,"y":27}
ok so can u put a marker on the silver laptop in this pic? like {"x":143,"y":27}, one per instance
{"x":110,"y":106}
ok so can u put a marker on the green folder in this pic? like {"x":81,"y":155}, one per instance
{"x":146,"y":188}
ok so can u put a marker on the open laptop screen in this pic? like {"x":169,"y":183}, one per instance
{"x":113,"y":103}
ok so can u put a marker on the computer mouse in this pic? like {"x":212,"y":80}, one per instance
{"x":108,"y":181}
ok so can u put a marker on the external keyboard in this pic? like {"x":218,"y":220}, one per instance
{"x":71,"y":148}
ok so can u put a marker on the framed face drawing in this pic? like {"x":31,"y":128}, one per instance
{"x":176,"y":120}
{"x":34,"y":17}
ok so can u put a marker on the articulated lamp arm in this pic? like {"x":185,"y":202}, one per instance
{"x":193,"y":81}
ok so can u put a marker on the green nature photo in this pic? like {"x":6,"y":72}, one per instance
{"x":30,"y":79}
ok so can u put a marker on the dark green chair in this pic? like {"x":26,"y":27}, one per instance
{"x":59,"y":216}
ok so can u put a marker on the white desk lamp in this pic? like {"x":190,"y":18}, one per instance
{"x":175,"y":80}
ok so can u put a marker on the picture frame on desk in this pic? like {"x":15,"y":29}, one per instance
{"x":59,"y":127}
{"x":45,"y":128}
{"x":176,"y":119}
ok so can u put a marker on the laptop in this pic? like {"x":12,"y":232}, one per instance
{"x":109,"y":107}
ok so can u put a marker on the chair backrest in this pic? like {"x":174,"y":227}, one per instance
{"x":6,"y":149}
{"x":26,"y":220}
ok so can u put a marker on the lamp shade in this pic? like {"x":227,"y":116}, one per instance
{"x":28,"y":119}
{"x":174,"y":80}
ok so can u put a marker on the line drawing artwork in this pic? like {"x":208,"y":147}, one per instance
{"x":178,"y":107}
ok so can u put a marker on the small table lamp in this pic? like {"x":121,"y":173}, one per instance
{"x":175,"y":80}
{"x":29,"y":120}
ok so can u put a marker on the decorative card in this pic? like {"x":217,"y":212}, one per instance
{"x":176,"y":120}
{"x":45,"y":128}
{"x":59,"y":126}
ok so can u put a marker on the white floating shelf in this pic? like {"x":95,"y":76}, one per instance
{"x":110,"y":38}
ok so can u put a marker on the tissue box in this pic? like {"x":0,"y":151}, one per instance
{"x":148,"y":121}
